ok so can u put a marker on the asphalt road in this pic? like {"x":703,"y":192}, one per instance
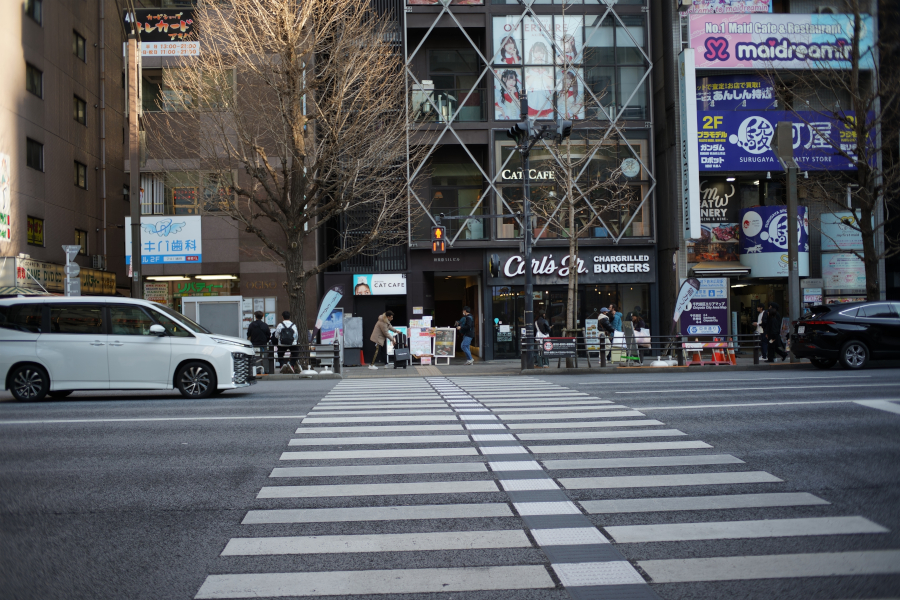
{"x":136,"y":496}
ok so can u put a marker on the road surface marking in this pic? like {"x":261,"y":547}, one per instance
{"x":585,"y":435}
{"x":568,"y":536}
{"x":743,"y":389}
{"x":584,"y":424}
{"x":618,"y":572}
{"x":717,"y":380}
{"x":379,"y":428}
{"x":559,"y":416}
{"x":625,"y":447}
{"x":642,"y":461}
{"x":746,"y":404}
{"x":379,"y":419}
{"x":398,"y":453}
{"x":701,"y":503}
{"x":377,"y":513}
{"x":522,"y":485}
{"x":368,"y":470}
{"x":546,"y":508}
{"x":378,"y":489}
{"x":881,"y":405}
{"x":677,"y":479}
{"x":404,"y":439}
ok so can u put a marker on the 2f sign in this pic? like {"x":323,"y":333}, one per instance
{"x":712,"y":122}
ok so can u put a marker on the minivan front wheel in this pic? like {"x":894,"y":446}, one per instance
{"x":29,"y":383}
{"x":854,"y":355}
{"x":196,"y":380}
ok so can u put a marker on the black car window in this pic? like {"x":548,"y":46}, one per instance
{"x":850,"y":312}
{"x":129,"y":320}
{"x":21,"y":317}
{"x":77,"y":318}
{"x":877,"y":311}
{"x":896,"y":306}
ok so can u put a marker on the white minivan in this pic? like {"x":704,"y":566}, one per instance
{"x":60,"y":344}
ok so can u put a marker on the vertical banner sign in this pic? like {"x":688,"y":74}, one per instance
{"x":5,"y":199}
{"x":690,"y":164}
{"x":328,"y":303}
{"x":689,"y":288}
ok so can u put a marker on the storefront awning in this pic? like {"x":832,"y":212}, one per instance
{"x":722,"y":269}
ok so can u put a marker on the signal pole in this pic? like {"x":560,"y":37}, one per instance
{"x":134,"y":156}
{"x":525,"y":150}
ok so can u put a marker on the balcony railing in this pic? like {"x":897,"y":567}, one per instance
{"x":446,"y":102}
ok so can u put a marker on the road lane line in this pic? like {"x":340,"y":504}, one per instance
{"x":673,"y":480}
{"x":371,"y":470}
{"x":586,"y":424}
{"x":642,"y":461}
{"x":717,"y":380}
{"x":380,"y":428}
{"x":880,"y":405}
{"x":701,"y":503}
{"x":377,"y":513}
{"x":404,"y":439}
{"x":743,"y":389}
{"x":147,"y":419}
{"x":379,"y":489}
{"x":599,"y":434}
{"x":399,"y":453}
{"x":747,"y":404}
{"x":626,"y":447}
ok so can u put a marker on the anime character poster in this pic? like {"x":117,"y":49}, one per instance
{"x":570,"y":102}
{"x":539,"y":85}
{"x":569,"y":34}
{"x":508,"y":89}
{"x":507,"y":40}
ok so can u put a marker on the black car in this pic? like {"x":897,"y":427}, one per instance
{"x":852,"y":333}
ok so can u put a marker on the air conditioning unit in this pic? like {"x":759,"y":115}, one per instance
{"x":98,"y":261}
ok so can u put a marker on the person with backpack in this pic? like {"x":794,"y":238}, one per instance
{"x":466,"y":328}
{"x":380,"y":335}
{"x":286,"y":336}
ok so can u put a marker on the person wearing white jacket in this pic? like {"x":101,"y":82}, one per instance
{"x":286,"y":336}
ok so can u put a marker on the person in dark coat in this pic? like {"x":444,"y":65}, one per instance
{"x":259,"y":335}
{"x":773,"y":333}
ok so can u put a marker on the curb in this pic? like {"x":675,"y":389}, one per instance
{"x":675,"y":369}
{"x":281,"y":377}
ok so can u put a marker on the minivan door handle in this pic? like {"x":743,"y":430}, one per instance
{"x":117,"y":343}
{"x":97,"y":343}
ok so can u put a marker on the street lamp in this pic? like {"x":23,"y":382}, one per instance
{"x":783,"y":147}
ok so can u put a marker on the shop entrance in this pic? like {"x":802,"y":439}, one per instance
{"x":370,"y":308}
{"x":453,"y":291}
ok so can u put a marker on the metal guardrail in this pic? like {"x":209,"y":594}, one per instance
{"x":303,"y":356}
{"x":597,"y":352}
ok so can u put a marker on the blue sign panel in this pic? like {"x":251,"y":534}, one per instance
{"x":735,"y":92}
{"x":740,"y":141}
{"x":764,"y":241}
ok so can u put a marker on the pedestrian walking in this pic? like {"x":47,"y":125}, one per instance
{"x":761,"y":325}
{"x":608,"y":329}
{"x":773,"y":332}
{"x":615,"y":318}
{"x":641,"y":336}
{"x":286,"y":336}
{"x":381,"y":334}
{"x":466,"y":328}
{"x":542,"y":330}
{"x":258,"y":334}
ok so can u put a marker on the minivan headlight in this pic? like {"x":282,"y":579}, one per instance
{"x":232,"y":342}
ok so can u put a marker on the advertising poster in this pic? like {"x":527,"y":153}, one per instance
{"x":157,"y":292}
{"x":592,"y":334}
{"x":558,"y":348}
{"x":570,"y":101}
{"x":333,"y":326}
{"x":843,"y":271}
{"x":780,"y":41}
{"x":729,"y":6}
{"x":167,"y":240}
{"x":445,"y":342}
{"x":764,"y":241}
{"x":741,"y":141}
{"x":735,"y":92}
{"x":5,"y":199}
{"x":839,"y":232}
{"x":506,"y":94}
{"x":508,"y":40}
{"x":719,"y":223}
{"x":379,"y":285}
{"x":420,"y":341}
{"x":165,"y":32}
{"x":707,"y":311}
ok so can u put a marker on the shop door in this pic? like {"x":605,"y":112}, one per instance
{"x":509,"y":314}
{"x":370,"y":308}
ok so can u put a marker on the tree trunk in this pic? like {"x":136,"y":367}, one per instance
{"x":295,"y":286}
{"x":870,"y":253}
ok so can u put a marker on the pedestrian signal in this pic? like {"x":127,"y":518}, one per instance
{"x":438,"y":239}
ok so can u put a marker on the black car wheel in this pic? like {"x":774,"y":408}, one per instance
{"x":60,"y":393}
{"x":823,"y":363}
{"x":854,"y":355}
{"x":196,"y":380}
{"x":29,"y":383}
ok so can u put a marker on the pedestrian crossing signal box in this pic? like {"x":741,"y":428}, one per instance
{"x":438,"y":239}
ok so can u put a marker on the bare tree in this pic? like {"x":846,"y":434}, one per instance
{"x":293,"y":107}
{"x":862,"y":99}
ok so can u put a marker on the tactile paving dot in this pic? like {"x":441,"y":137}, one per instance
{"x":521,"y":485}
{"x":528,"y":509}
{"x":503,"y":450}
{"x":474,"y":426}
{"x":569,"y":536}
{"x":493,"y":437}
{"x":597,"y":573}
{"x":515,"y":465}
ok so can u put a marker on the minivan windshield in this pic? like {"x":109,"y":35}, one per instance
{"x":197,"y":327}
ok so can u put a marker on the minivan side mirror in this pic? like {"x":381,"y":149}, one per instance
{"x":156,"y":329}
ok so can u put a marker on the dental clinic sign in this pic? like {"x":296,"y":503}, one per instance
{"x":779,"y":41}
{"x":598,"y":266}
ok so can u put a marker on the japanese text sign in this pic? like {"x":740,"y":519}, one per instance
{"x":167,"y":240}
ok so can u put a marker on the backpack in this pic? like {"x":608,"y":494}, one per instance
{"x":286,"y":336}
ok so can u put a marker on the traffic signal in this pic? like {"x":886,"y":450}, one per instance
{"x":519,"y":132}
{"x":563,"y":129}
{"x":438,"y":239}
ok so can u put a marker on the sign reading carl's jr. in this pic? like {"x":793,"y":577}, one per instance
{"x":551,"y":267}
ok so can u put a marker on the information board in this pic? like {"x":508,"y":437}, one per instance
{"x":445,"y":342}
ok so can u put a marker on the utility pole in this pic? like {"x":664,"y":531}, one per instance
{"x":525,"y":149}
{"x":134,"y":159}
{"x":783,"y":146}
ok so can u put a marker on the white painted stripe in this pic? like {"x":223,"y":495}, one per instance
{"x":377,"y":513}
{"x":779,"y":387}
{"x":477,"y":417}
{"x":790,"y":377}
{"x":560,"y":416}
{"x":701,"y":503}
{"x":589,"y":424}
{"x":483,"y":426}
{"x":522,"y":485}
{"x":148,"y":419}
{"x":379,"y":419}
{"x":493,"y":437}
{"x":642,"y":461}
{"x":881,"y":405}
{"x":503,"y":450}
{"x":413,"y":469}
{"x":398,"y":453}
{"x":523,"y":394}
{"x":384,"y":411}
{"x":568,"y":536}
{"x":378,"y":489}
{"x":394,"y":581}
{"x":539,"y":403}
{"x":679,"y":479}
{"x":515,"y":465}
{"x":547,"y":408}
{"x":777,"y":566}
{"x":400,"y":439}
{"x":530,"y":509}
{"x":379,"y":428}
{"x":624,"y":447}
{"x":733,"y":530}
{"x":617,"y":572}
{"x":745,"y":404}
{"x":585,"y":435}
{"x":348,"y":405}
{"x":387,"y":542}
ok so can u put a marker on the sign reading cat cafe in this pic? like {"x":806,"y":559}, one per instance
{"x":551,"y":266}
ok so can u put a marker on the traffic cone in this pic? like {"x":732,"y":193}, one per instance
{"x":718,"y":356}
{"x":732,"y":357}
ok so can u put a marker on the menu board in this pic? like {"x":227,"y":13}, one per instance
{"x":420,"y":341}
{"x":445,"y":342}
{"x":592,"y":334}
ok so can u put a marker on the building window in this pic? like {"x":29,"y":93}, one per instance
{"x":35,"y":231}
{"x":215,"y":93}
{"x":126,"y":193}
{"x":452,"y":73}
{"x":79,"y":108}
{"x":34,"y":80}
{"x":34,"y":154}
{"x":81,"y":240}
{"x":35,"y":10}
{"x":81,"y":175}
{"x":78,"y":46}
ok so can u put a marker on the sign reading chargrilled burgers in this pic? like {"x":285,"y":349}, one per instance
{"x":597,"y":266}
